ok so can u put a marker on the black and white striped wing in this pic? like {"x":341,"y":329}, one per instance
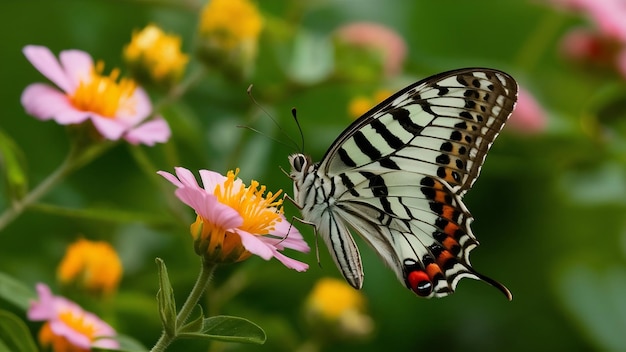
{"x":397,"y":176}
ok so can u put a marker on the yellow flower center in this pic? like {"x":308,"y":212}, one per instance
{"x":78,"y":323}
{"x":260,"y":213}
{"x":230,"y":22}
{"x":104,"y":95}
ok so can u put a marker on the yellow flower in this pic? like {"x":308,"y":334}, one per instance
{"x":93,"y":266}
{"x":155,"y":55}
{"x":339,"y":309}
{"x":361,"y":104}
{"x":229,"y":33}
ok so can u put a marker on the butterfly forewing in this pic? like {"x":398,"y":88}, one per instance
{"x":397,"y":176}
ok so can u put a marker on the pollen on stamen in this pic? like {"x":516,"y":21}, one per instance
{"x":260,"y":213}
{"x":104,"y":95}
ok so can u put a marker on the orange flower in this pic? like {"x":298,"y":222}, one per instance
{"x":93,"y":266}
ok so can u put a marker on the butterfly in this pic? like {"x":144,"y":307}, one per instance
{"x":397,"y":176}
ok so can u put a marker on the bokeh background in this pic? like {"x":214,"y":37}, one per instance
{"x":550,"y":204}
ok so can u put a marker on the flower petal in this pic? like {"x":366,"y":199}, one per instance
{"x":75,"y":338}
{"x":44,"y":61}
{"x":210,"y":180}
{"x":149,"y":133}
{"x":255,"y":245}
{"x":186,"y":177}
{"x":78,"y":66}
{"x":136,"y":108}
{"x":209,"y":208}
{"x":289,"y":237}
{"x":43,"y":308}
{"x":45,"y":102}
{"x":290,"y":262}
{"x":109,"y":128}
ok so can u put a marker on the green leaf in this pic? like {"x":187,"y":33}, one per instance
{"x":165,"y":300}
{"x":229,"y":329}
{"x":195,"y":325}
{"x":12,"y":161}
{"x":16,"y":292}
{"x":14,"y":334}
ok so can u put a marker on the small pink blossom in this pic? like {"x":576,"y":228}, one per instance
{"x":229,"y":213}
{"x":70,"y":322}
{"x":608,"y":16}
{"x":528,"y":117}
{"x":378,"y":37}
{"x":117,"y":109}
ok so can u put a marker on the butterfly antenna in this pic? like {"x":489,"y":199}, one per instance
{"x":249,"y":91}
{"x":295,"y":117}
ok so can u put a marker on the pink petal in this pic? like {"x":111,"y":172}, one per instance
{"x":149,"y":133}
{"x":255,"y":245}
{"x":77,"y":339}
{"x":44,"y":61}
{"x":170,"y":178}
{"x":209,"y":208}
{"x":136,"y":109}
{"x":109,"y":128}
{"x":289,"y":237}
{"x":43,"y":308}
{"x":45,"y":102}
{"x":186,"y":177}
{"x":210,"y":180}
{"x":290,"y":262}
{"x":78,"y":66}
{"x":528,"y":116}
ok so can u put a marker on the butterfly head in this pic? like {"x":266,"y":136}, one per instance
{"x":300,"y":164}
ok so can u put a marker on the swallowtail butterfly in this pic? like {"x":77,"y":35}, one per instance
{"x":397,"y":176}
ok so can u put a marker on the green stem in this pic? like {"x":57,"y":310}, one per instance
{"x":76,"y":158}
{"x":206,"y":272}
{"x":204,"y":277}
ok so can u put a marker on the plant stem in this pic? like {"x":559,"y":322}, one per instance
{"x":204,"y":277}
{"x":76,"y":158}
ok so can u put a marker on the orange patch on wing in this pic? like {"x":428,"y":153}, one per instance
{"x":447,"y":212}
{"x":449,"y":242}
{"x":451,"y":229}
{"x":433,"y":269}
{"x":443,"y":257}
{"x":440,"y":197}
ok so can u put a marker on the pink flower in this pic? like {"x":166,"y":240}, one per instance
{"x":67,"y":323}
{"x":116,"y":109}
{"x":528,"y":116}
{"x":609,"y":16}
{"x":378,"y":37}
{"x":235,"y":221}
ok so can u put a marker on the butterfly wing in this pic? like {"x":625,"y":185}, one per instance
{"x":404,"y":166}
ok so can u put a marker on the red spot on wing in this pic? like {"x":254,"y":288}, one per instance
{"x":420,"y":282}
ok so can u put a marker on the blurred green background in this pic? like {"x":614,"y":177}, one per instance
{"x":550,"y":206}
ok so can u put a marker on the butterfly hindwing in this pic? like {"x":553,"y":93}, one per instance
{"x":397,"y":176}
